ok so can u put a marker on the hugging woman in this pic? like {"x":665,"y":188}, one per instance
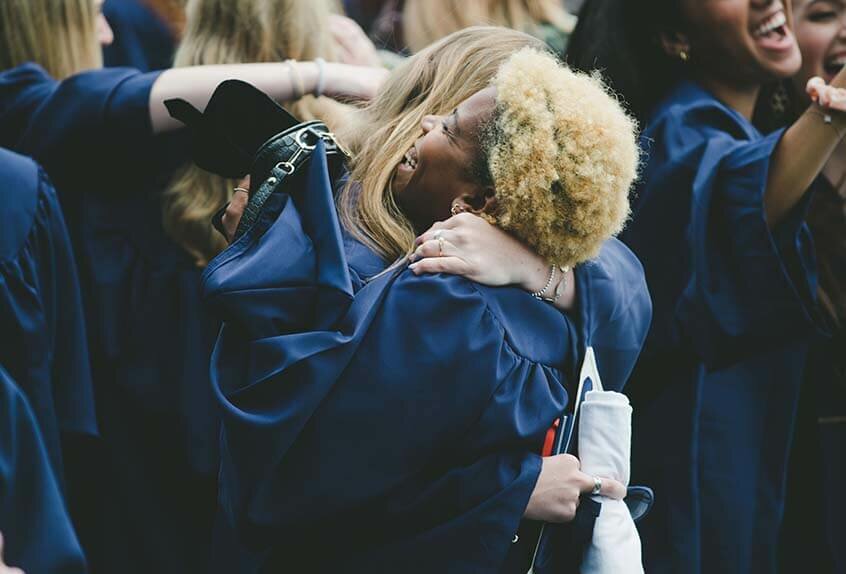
{"x":377,"y":419}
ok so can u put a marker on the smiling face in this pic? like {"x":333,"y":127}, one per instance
{"x":741,"y":42}
{"x":439,"y":168}
{"x":821,"y":35}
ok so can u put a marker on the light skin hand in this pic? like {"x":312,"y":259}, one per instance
{"x":481,"y":252}
{"x":560,"y":484}
{"x":235,"y":209}
{"x":354,"y":45}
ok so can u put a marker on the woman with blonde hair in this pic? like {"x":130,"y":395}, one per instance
{"x":106,"y":140}
{"x":426,"y":21}
{"x":380,"y":421}
{"x":233,"y":32}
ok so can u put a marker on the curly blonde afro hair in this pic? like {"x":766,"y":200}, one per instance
{"x":562,"y":154}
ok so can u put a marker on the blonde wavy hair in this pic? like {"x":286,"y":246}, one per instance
{"x":562,"y":154}
{"x":426,"y":21}
{"x":60,"y":35}
{"x":238,"y":31}
{"x":434,"y":81}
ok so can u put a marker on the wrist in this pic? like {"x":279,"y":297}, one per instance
{"x":309,"y":73}
{"x":535,"y":275}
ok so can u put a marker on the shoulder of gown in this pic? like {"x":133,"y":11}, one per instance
{"x":42,"y":319}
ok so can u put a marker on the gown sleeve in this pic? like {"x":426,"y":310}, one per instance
{"x":35,"y":525}
{"x":91,"y":131}
{"x":747,"y":287}
{"x":389,"y":421}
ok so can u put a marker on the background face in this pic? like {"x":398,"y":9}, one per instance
{"x":821,"y":34}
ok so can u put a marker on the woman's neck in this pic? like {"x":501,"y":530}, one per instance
{"x":741,"y":99}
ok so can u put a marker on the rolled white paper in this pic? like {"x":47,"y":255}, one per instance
{"x":605,"y":436}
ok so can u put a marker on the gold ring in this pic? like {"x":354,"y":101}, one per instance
{"x":237,"y":189}
{"x":440,"y":246}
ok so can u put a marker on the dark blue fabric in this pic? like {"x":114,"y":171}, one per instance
{"x":141,"y":40}
{"x":38,"y":536}
{"x":41,"y":318}
{"x":393,"y":424}
{"x":715,"y":391}
{"x":154,"y":484}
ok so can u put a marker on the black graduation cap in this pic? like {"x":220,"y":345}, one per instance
{"x":239,"y":118}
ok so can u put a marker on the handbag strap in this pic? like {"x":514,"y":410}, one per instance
{"x":279,"y":158}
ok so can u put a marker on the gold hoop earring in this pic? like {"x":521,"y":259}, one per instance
{"x":683,"y":56}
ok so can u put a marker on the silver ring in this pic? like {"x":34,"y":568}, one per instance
{"x":597,"y":485}
{"x":440,"y":246}
{"x":237,"y":189}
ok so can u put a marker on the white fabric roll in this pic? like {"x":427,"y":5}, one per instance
{"x":605,"y":436}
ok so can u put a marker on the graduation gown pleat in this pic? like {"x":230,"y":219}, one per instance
{"x":42,"y":322}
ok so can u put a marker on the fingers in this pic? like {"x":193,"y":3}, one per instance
{"x":433,"y":248}
{"x":610,"y":488}
{"x":451,"y":265}
{"x":233,"y":214}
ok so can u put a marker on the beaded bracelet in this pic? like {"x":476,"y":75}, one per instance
{"x":539,"y":295}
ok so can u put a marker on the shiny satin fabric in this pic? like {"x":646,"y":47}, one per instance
{"x":378,"y":421}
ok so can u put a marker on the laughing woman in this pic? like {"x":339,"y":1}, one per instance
{"x":376,"y":420}
{"x":719,"y":226}
{"x":814,"y":531}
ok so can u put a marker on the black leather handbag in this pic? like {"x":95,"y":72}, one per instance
{"x":243,"y":131}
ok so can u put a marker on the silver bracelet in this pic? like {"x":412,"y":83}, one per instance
{"x":321,"y":77}
{"x":539,"y":294}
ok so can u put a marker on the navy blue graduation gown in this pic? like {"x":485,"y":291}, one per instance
{"x":141,"y":40}
{"x":42,"y":323}
{"x":149,"y":338}
{"x":376,"y":421}
{"x":716,"y":388}
{"x":37,"y":533}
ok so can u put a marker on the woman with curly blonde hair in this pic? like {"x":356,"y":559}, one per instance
{"x":401,"y":415}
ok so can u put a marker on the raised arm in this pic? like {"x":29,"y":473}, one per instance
{"x":282,"y":81}
{"x":802,"y":152}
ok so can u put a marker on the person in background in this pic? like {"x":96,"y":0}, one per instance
{"x":109,"y":145}
{"x":813,"y":530}
{"x":42,"y":322}
{"x":426,"y":21}
{"x":719,"y":224}
{"x":146,"y":33}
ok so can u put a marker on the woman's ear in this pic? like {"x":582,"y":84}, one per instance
{"x":675,"y":45}
{"x":484,"y":201}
